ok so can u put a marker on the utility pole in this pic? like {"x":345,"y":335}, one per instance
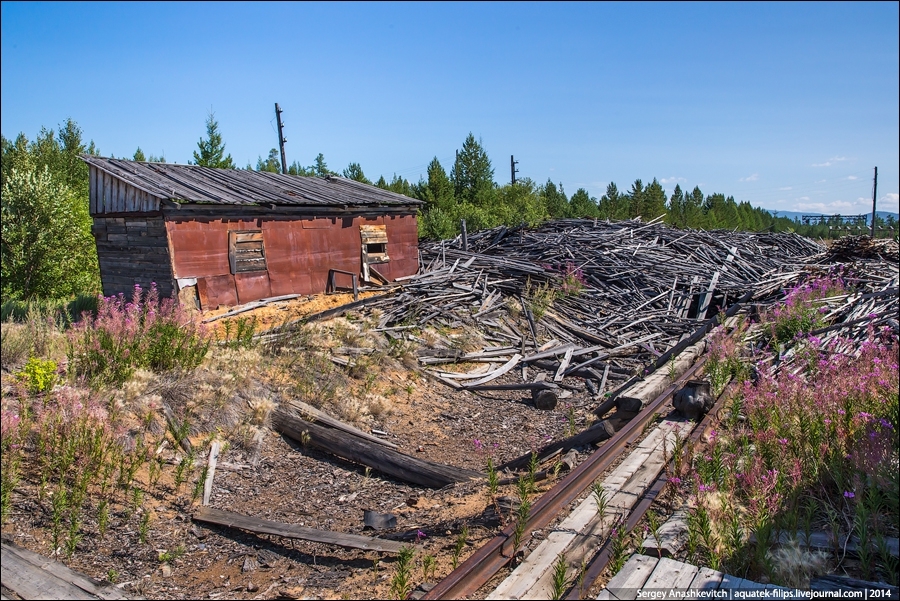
{"x":512,"y":169}
{"x":281,"y":138}
{"x":874,"y":192}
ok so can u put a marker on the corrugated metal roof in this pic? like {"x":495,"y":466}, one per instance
{"x":195,"y":184}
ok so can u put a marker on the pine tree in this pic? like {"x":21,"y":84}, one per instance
{"x":583,"y":205}
{"x":272,"y":164}
{"x":610,"y":203}
{"x":555,"y":202}
{"x":676,"y":214}
{"x":654,"y":200}
{"x":212,"y":149}
{"x":139,"y":155}
{"x":472,"y":174}
{"x":355,"y":172}
{"x":636,"y":199}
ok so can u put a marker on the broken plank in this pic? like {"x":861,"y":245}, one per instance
{"x":498,"y":372}
{"x":211,"y":470}
{"x":340,"y":539}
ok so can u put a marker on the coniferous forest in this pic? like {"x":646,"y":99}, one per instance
{"x":48,"y":250}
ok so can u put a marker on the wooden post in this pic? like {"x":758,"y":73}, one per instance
{"x":281,"y":138}
{"x":874,"y":193}
{"x":465,"y":235}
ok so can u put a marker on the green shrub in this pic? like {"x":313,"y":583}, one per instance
{"x":38,"y":375}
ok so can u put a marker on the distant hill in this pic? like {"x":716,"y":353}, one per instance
{"x":795,"y":215}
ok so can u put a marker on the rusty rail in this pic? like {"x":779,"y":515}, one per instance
{"x":601,"y":559}
{"x":482,"y":565}
{"x":473,"y":573}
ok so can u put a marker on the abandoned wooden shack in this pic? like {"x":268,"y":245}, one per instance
{"x":221,"y":237}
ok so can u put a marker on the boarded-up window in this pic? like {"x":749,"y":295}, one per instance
{"x":246,"y":251}
{"x":374,"y":241}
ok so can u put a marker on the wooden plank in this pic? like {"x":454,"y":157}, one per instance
{"x":632,"y":576}
{"x":321,"y":417}
{"x":32,"y":576}
{"x":364,"y":452}
{"x":583,"y":531}
{"x":730,"y":582}
{"x":340,"y":539}
{"x":669,"y":574}
{"x":672,"y":536}
{"x":562,"y":366}
{"x":707,"y":579}
{"x":497,"y":373}
{"x":211,"y":470}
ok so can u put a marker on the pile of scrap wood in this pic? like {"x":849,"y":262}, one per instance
{"x":852,"y":248}
{"x":577,"y":297}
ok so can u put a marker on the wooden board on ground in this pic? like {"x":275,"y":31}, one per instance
{"x":352,"y":541}
{"x":632,"y":576}
{"x":583,"y":531}
{"x":364,"y":452}
{"x":32,"y":576}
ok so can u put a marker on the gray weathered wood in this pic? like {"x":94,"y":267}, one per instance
{"x":32,"y":576}
{"x":365,"y":452}
{"x":352,"y":541}
{"x":632,"y":576}
{"x":707,"y":579}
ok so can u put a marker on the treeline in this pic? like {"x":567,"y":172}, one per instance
{"x":48,"y":251}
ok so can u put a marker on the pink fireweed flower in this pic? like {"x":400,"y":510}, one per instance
{"x":848,"y":494}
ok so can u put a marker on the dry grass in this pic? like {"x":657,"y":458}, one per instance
{"x":795,"y":566}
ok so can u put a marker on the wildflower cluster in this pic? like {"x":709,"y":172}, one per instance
{"x":804,"y":308}
{"x":145,"y":332}
{"x":825,"y":427}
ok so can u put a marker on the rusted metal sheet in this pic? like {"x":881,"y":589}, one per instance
{"x":252,"y":286}
{"x":299,"y":252}
{"x":218,"y":291}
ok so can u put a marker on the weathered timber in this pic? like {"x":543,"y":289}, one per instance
{"x":340,"y":539}
{"x":355,"y":449}
{"x":32,"y":576}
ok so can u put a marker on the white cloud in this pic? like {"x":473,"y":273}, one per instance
{"x":828,"y":208}
{"x":672,"y":180}
{"x":786,"y":188}
{"x":750,"y":178}
{"x":852,"y":177}
{"x":821,"y":181}
{"x":829,"y":162}
{"x":889,"y":202}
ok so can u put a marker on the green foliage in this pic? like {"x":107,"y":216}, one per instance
{"x":583,"y":205}
{"x":472,"y":174}
{"x":124,"y":336}
{"x":212,"y":149}
{"x":560,"y":582}
{"x":401,"y":583}
{"x":355,"y":172}
{"x":47,"y":247}
{"x":38,"y":375}
{"x":272,"y":164}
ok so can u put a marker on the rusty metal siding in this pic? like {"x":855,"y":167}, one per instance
{"x":299,"y":253}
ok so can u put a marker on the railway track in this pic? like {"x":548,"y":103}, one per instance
{"x":488,"y":560}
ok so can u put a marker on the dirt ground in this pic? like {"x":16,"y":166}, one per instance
{"x":275,"y":478}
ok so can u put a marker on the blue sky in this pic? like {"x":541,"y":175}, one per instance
{"x":787,"y":106}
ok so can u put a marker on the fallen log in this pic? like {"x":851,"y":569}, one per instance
{"x":352,"y":541}
{"x":598,"y":432}
{"x":357,"y":450}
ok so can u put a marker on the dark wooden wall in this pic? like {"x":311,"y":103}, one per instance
{"x":133,"y":250}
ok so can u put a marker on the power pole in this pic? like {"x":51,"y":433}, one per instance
{"x":512,"y":169}
{"x":281,"y":138}
{"x":874,"y":192}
